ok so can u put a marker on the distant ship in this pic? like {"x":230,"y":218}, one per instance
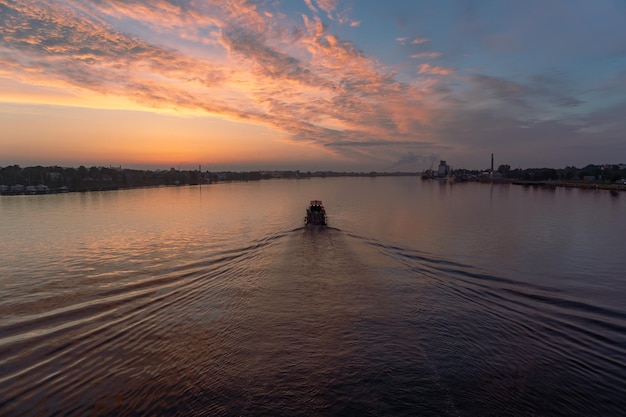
{"x":315,"y":214}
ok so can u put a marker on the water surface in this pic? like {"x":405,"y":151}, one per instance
{"x":421,"y":298}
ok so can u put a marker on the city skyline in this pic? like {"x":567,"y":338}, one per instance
{"x":312,"y":85}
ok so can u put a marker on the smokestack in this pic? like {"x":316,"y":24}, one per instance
{"x":492,"y":163}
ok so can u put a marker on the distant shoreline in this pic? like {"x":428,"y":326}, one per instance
{"x":96,"y":185}
{"x":58,"y":180}
{"x":571,"y":184}
{"x":551,"y":184}
{"x":528,"y":184}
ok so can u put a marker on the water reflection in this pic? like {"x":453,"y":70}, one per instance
{"x":423,"y":298}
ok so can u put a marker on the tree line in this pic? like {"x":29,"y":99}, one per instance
{"x":105,"y":178}
{"x":602,"y":173}
{"x":55,"y":178}
{"x":94,"y":178}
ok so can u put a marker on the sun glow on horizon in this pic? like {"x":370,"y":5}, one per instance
{"x":57,"y":133}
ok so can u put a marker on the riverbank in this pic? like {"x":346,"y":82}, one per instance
{"x":108,"y":182}
{"x":39,"y":190}
{"x":613,"y":187}
{"x":569,"y":184}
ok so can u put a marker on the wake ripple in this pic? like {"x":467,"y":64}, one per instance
{"x":529,"y":332}
{"x":51,"y":346}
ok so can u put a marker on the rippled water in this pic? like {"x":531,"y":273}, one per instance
{"x":422,"y":298}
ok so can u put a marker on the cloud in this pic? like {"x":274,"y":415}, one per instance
{"x":497,"y":87}
{"x":328,"y":6}
{"x":434,"y":70}
{"x":538,"y":120}
{"x":416,"y":41}
{"x":423,"y":55}
{"x":380,"y":143}
{"x":542,"y":93}
{"x":319,"y":89}
{"x":497,"y":83}
{"x":310,"y":5}
{"x":555,"y":88}
{"x":412,"y":160}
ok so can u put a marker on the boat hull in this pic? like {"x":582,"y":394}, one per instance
{"x":315,"y":214}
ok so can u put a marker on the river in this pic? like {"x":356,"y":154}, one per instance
{"x":420,"y":298}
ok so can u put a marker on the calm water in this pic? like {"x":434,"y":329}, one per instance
{"x":422,"y":299}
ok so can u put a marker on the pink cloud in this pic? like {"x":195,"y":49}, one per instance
{"x":434,"y":70}
{"x":310,"y":5}
{"x":422,"y":55}
{"x":328,"y":6}
{"x":311,"y":84}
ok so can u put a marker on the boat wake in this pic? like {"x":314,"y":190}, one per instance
{"x":306,"y":321}
{"x":494,"y":339}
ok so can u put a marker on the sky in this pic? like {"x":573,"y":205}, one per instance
{"x":361,"y":85}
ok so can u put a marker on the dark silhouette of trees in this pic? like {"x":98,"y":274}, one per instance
{"x":110,"y":178}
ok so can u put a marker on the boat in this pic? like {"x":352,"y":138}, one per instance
{"x":315,"y":214}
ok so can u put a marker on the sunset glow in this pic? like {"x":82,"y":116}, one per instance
{"x":311,"y":84}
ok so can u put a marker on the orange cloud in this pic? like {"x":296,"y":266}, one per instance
{"x":310,"y":85}
{"x":434,"y":70}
